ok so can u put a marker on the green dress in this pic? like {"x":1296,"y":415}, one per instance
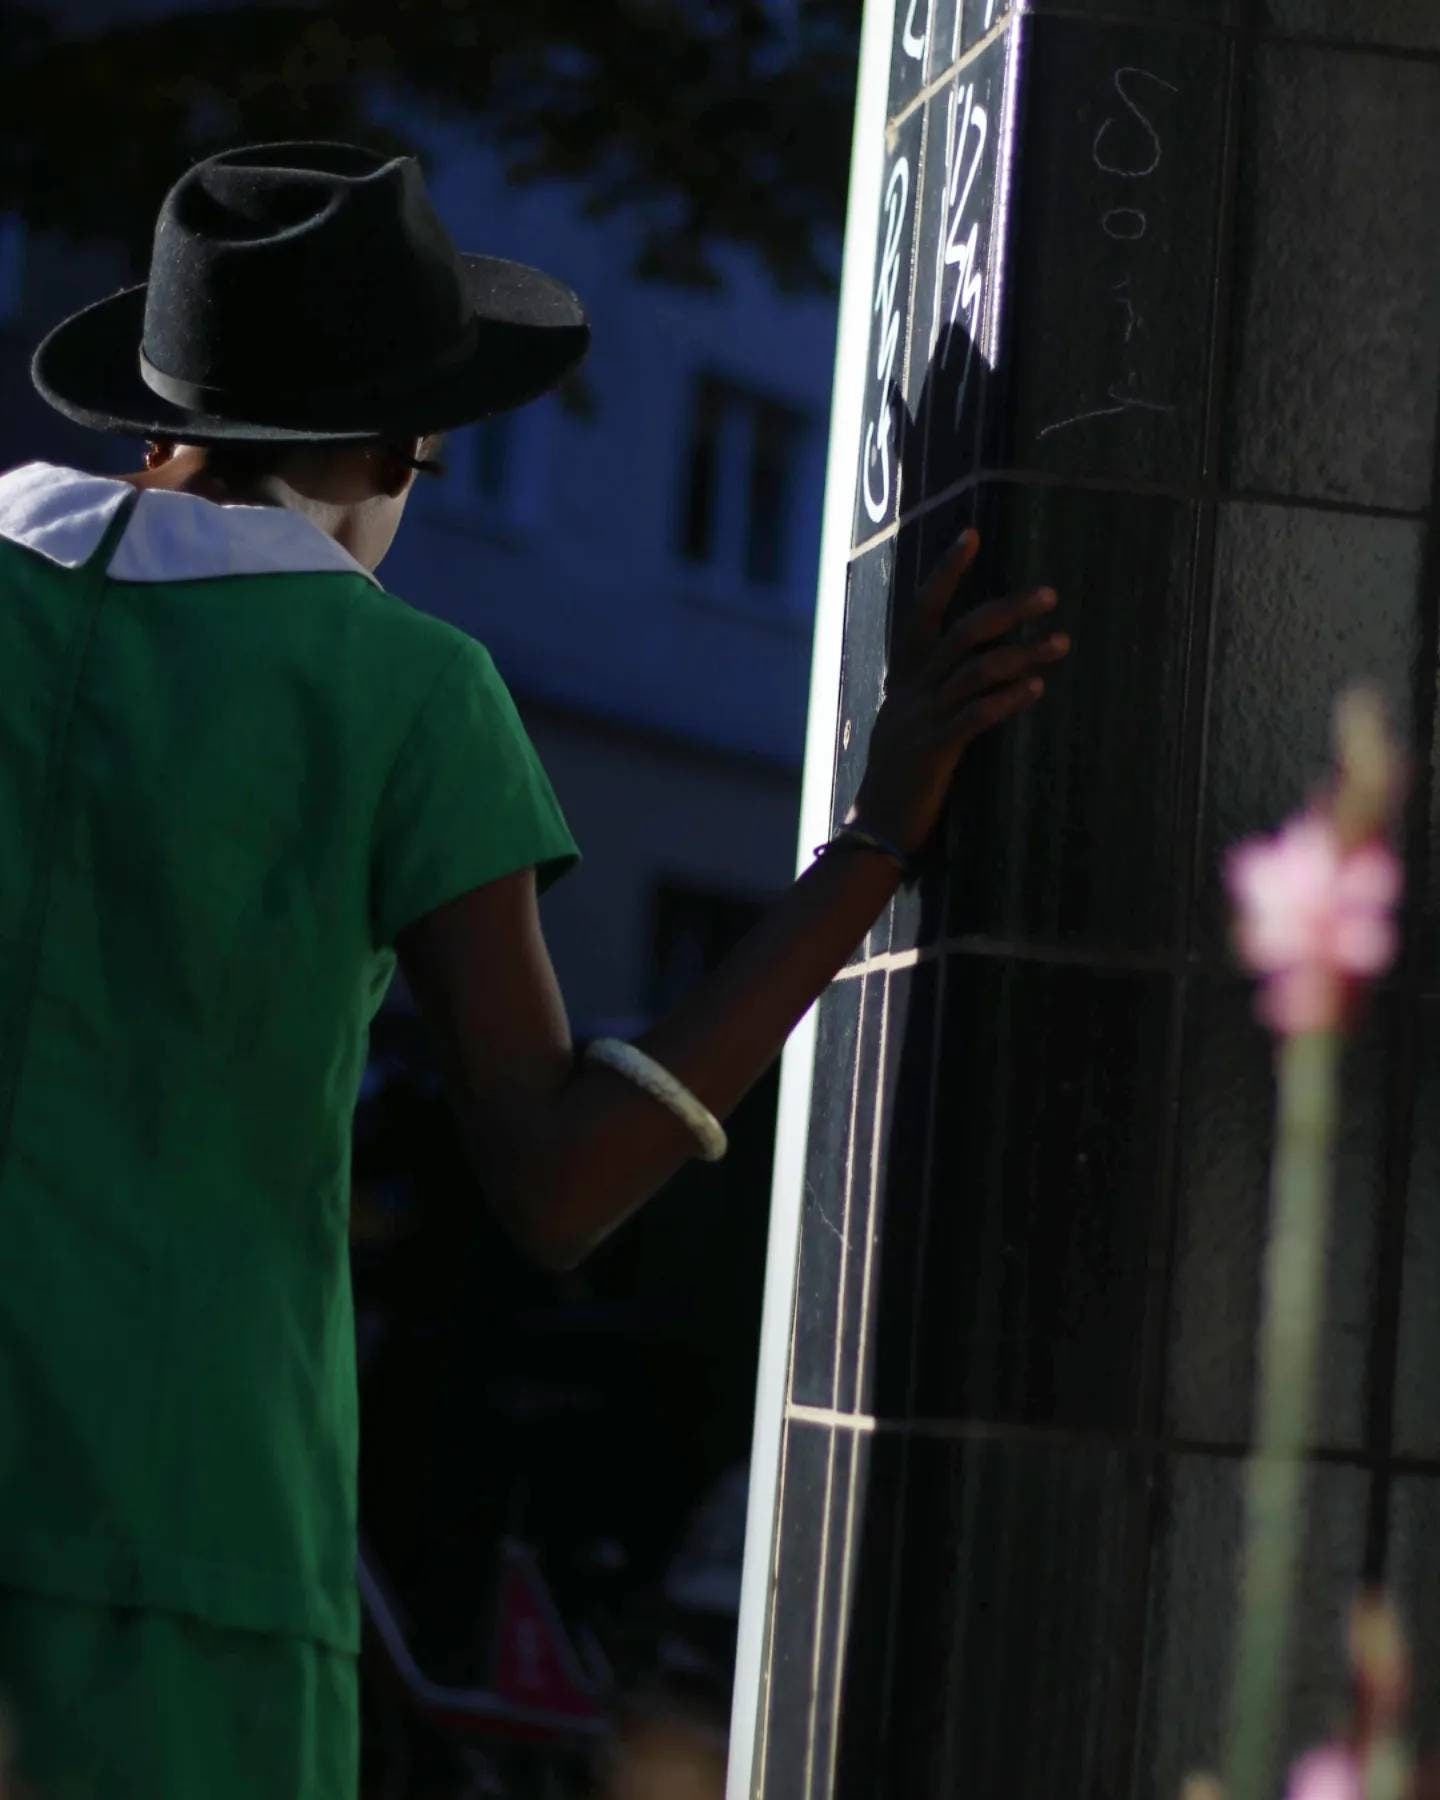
{"x":232,"y":768}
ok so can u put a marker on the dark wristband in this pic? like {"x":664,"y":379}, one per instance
{"x":857,"y":837}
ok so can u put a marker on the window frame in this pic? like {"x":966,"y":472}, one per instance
{"x":723,"y":577}
{"x":14,"y":261}
{"x":517,"y":511}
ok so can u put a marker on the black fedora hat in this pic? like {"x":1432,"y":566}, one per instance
{"x":308,"y":291}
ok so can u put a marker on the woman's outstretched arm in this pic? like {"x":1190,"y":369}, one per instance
{"x":567,"y":1151}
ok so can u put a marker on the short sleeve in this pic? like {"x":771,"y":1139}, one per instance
{"x":466,"y":801}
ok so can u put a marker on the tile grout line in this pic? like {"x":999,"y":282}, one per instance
{"x":830,"y":1419}
{"x":1404,"y":1059}
{"x":844,"y":1210}
{"x":812,"y":1720}
{"x":761,"y":1748}
{"x":865,"y":1274}
{"x":927,"y":1165}
{"x":1271,"y":37}
{"x":842,"y":1620}
{"x":937,"y":1429}
{"x":1181,"y":965}
{"x":1311,"y":40}
{"x":821,"y":1583}
{"x":1188,"y":493}
{"x":890,"y":962}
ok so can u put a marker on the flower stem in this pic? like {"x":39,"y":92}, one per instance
{"x":1387,"y":1771}
{"x":1300,"y":1184}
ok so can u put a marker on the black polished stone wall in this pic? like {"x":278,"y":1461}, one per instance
{"x":1158,"y":305}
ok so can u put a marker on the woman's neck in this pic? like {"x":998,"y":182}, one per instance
{"x":182,"y":476}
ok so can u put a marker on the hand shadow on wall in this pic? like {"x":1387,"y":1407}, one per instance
{"x":939,"y":1644}
{"x":859,"y":1663}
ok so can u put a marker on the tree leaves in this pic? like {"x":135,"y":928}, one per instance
{"x":706,"y":122}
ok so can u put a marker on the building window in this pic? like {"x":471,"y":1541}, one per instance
{"x":694,"y":929}
{"x":495,"y":470}
{"x":697,"y":530}
{"x":775,"y":452}
{"x":743,"y":496}
{"x":12,"y":267}
{"x":491,"y":458}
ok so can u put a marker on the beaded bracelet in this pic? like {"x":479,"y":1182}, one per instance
{"x":625,"y":1059}
{"x":869,"y":840}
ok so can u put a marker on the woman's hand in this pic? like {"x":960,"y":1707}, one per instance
{"x":944,"y":688}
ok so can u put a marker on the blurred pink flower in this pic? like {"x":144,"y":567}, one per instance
{"x":1330,"y":1773}
{"x":1311,"y":919}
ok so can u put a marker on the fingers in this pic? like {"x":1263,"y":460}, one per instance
{"x":935,"y":596}
{"x":983,"y":624}
{"x":994,"y":708}
{"x":1001,"y":667}
{"x":939,"y":589}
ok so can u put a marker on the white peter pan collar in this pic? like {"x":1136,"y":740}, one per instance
{"x":62,"y":515}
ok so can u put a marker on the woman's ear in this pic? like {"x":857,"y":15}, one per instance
{"x":158,"y":452}
{"x":395,"y":465}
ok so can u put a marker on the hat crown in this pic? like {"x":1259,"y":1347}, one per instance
{"x":263,"y":191}
{"x":304,"y":263}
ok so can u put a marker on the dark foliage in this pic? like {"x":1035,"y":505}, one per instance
{"x":706,"y":121}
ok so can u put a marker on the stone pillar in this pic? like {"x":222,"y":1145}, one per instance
{"x":1156,"y":301}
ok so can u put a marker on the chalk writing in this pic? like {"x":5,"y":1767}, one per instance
{"x":1140,"y":170}
{"x":1121,"y":290}
{"x":1123,"y":403}
{"x":1127,"y":146}
{"x":877,"y":451}
{"x":1127,"y":224}
{"x":912,"y":42}
{"x":967,"y":128}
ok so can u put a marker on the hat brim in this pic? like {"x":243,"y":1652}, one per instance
{"x":531,"y":332}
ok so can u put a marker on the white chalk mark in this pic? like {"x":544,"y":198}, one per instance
{"x":1109,"y":224}
{"x":911,"y":41}
{"x":1108,"y":124}
{"x":877,"y":446}
{"x":1099,"y":412}
{"x":826,"y":1220}
{"x":1132,"y":318}
{"x":878,"y":435}
{"x":897,"y":191}
{"x":962,"y":253}
{"x":1123,"y":403}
